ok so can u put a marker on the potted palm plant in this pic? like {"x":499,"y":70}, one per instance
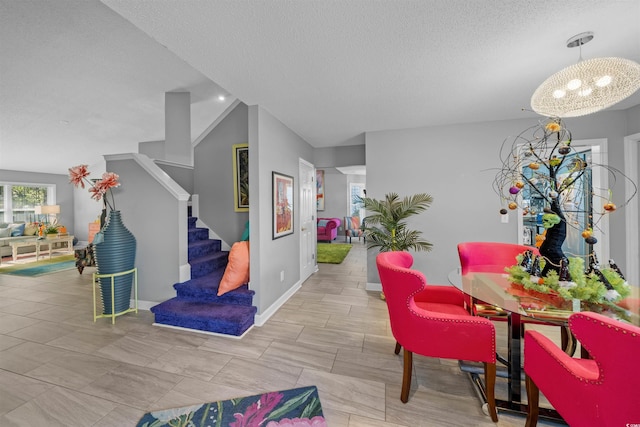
{"x":385,"y":227}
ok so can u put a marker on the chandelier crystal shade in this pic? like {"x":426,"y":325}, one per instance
{"x":586,"y":87}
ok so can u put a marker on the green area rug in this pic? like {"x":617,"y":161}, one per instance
{"x":38,"y":268}
{"x":295,"y":407}
{"x":332,"y":253}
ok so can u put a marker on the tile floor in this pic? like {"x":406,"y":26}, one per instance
{"x":59,"y":368}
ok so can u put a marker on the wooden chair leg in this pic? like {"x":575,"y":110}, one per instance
{"x":490,"y":383}
{"x":533,"y":395}
{"x":406,"y":376}
{"x":398,"y":347}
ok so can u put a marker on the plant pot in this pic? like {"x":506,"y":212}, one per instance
{"x":115,"y":254}
{"x":51,"y":236}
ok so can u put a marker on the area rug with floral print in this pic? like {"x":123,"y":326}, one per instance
{"x":299,"y":407}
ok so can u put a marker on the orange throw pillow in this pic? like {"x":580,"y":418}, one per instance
{"x":236,"y":273}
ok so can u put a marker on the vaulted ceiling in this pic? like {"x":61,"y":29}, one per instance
{"x":79,"y":79}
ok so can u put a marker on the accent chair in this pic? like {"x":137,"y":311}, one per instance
{"x":432,"y":321}
{"x":600,"y":391}
{"x":352,"y":228}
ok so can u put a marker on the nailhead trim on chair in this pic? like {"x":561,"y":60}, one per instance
{"x":600,"y":369}
{"x":493,"y":336}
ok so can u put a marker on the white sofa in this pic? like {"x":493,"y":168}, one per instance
{"x":5,"y":247}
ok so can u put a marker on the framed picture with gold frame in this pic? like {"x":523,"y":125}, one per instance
{"x":241,"y":177}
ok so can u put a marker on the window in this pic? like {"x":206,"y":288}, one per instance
{"x":18,"y":201}
{"x":355,"y":190}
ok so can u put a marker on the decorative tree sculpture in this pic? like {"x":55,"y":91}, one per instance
{"x":542,"y":157}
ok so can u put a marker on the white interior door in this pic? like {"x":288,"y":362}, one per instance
{"x":307,"y":221}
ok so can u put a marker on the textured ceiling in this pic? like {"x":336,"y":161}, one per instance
{"x":329,"y":70}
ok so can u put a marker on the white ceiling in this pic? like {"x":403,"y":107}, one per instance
{"x":329,"y":70}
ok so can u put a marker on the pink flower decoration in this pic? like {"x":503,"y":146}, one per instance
{"x":255,"y":414}
{"x":109,"y":180}
{"x":96,"y":193}
{"x":77,"y":174}
{"x":299,"y":422}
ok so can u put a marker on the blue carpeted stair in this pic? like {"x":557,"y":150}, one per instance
{"x":197,"y":305}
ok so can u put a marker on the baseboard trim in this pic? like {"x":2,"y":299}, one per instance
{"x":144,"y":305}
{"x":373,"y":287}
{"x":215,"y":334}
{"x":262,"y":318}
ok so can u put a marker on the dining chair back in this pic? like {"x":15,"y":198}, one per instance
{"x":493,"y":257}
{"x":599,"y":391}
{"x":432,"y":321}
{"x":490,"y":257}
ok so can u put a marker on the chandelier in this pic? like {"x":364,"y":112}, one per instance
{"x":588,"y":86}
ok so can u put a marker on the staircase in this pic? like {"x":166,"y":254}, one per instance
{"x":197,"y":305}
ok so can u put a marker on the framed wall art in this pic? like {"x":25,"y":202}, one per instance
{"x":320,"y":190}
{"x":241,"y":177}
{"x":282,"y":205}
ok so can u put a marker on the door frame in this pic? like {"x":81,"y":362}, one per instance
{"x":631,"y":152}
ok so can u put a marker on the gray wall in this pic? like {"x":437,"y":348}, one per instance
{"x":64,"y":192}
{"x":633,"y":120}
{"x":335,"y":195}
{"x":336,"y":183}
{"x":213,"y":176}
{"x":335,"y":157}
{"x":86,"y":209}
{"x":633,"y":128}
{"x":456,"y":165}
{"x":272,"y":147}
{"x":181,"y":174}
{"x":158,"y":220}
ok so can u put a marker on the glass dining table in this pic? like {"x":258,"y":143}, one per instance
{"x":496,"y":296}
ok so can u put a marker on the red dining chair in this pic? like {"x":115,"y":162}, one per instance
{"x":488,"y":257}
{"x":493,"y":257}
{"x":431,"y":320}
{"x":601,"y":391}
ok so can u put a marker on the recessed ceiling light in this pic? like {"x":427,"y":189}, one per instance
{"x":221,"y":98}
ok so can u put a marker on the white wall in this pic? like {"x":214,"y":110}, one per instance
{"x":456,"y":165}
